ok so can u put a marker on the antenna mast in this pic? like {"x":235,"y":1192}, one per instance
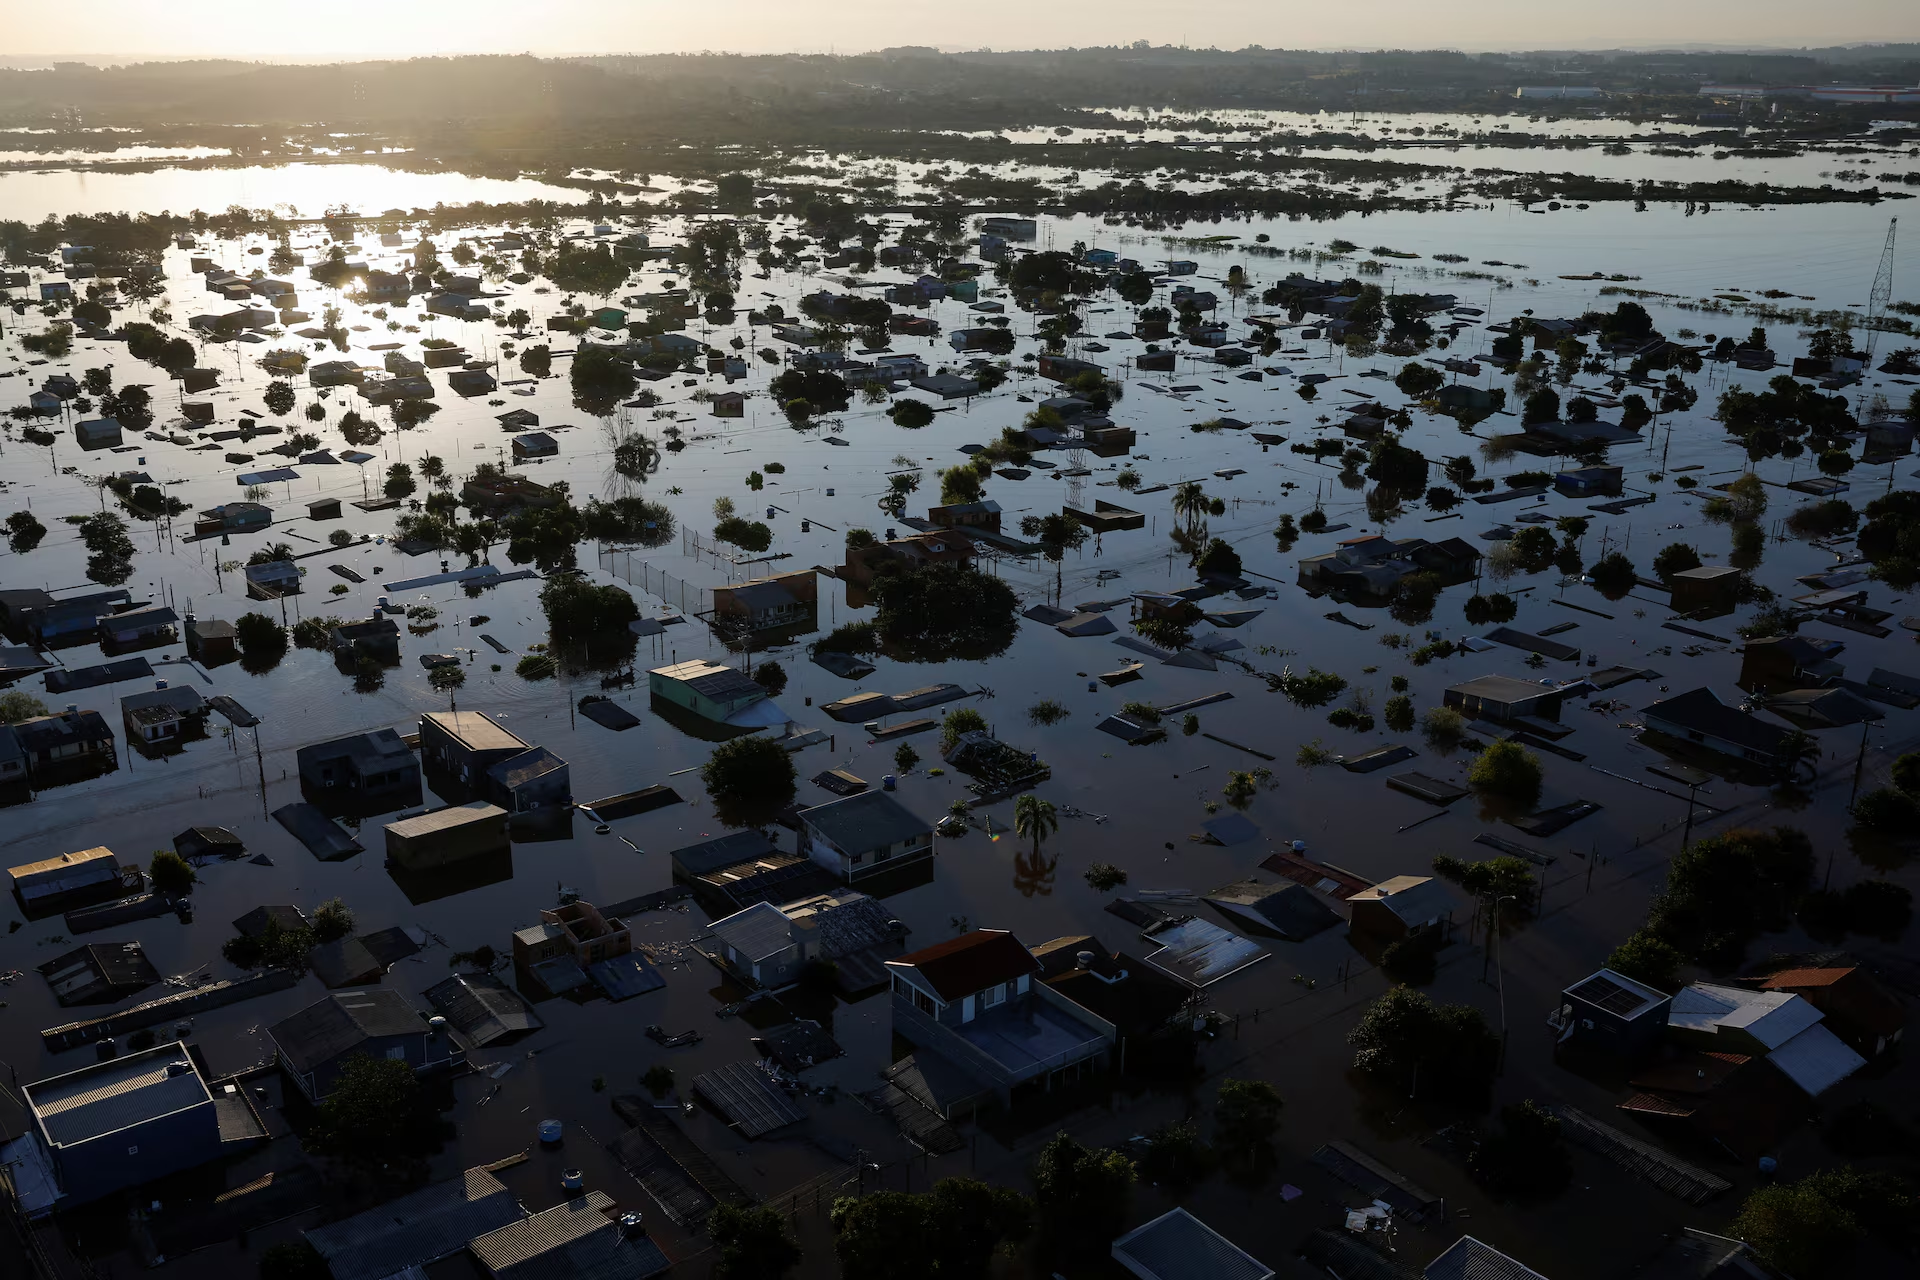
{"x":1882,"y":294}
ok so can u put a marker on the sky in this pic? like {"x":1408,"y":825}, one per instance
{"x":350,"y":29}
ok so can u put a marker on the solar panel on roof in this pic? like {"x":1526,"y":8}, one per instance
{"x":1607,"y":994}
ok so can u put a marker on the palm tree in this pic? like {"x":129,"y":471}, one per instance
{"x":1190,"y":502}
{"x":1798,"y":750}
{"x":1034,"y":817}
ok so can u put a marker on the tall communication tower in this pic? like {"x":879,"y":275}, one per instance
{"x":1882,"y":294}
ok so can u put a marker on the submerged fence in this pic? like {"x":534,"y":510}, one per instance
{"x":682,"y":595}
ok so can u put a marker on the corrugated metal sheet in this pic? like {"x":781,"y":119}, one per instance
{"x":116,"y":1095}
{"x":530,"y":1237}
{"x":416,"y":1229}
{"x":1178,"y":1246}
{"x":1816,"y":1060}
{"x":65,"y":873}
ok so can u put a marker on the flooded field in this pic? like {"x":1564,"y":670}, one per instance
{"x":1241,"y":432}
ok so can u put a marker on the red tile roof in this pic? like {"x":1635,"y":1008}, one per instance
{"x":970,"y":963}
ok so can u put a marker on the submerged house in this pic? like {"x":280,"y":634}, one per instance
{"x":1502,"y":698}
{"x":1395,"y":908}
{"x":786,"y":601}
{"x":771,"y":945}
{"x":577,"y":930}
{"x":1700,"y":718}
{"x":861,"y":835}
{"x":164,"y":714}
{"x":465,"y":744}
{"x":314,"y":1044}
{"x":71,"y":740}
{"x":973,"y":1002}
{"x":720,"y":694}
{"x":1781,"y":1027}
{"x":122,"y":1123}
{"x":1372,"y":565}
{"x":374,"y":768}
{"x":1611,"y":1014}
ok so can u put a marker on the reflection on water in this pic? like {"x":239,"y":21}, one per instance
{"x":308,"y":189}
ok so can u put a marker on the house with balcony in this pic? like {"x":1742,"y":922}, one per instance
{"x":974,"y":1004}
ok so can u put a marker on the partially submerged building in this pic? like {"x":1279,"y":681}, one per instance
{"x":1779,"y":1026}
{"x":463,"y":745}
{"x":313,"y":1045}
{"x":861,"y":835}
{"x":446,"y":836}
{"x":1610,"y":1014}
{"x":771,"y":946}
{"x":124,"y":1122}
{"x":1503,"y":698}
{"x":376,"y":769}
{"x":1402,"y":905}
{"x":1700,"y":718}
{"x":973,"y":1003}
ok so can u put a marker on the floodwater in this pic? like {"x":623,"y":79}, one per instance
{"x":1139,"y":806}
{"x":296,"y":189}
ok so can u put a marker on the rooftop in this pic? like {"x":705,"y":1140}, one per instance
{"x":453,"y":816}
{"x":417,"y":1229}
{"x":972,"y":962}
{"x":709,"y":679}
{"x":341,"y":1023}
{"x":474,"y":730}
{"x":1469,"y":1259}
{"x":1178,"y":1246}
{"x":1699,"y":711}
{"x":1617,"y":994}
{"x":117,"y":1094}
{"x":1770,"y":1017}
{"x":535,"y":762}
{"x":866,"y":821}
{"x":758,"y":933}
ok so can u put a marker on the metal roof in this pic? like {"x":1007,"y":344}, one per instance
{"x":1771,"y":1017}
{"x":1816,"y":1060}
{"x":1178,"y":1246}
{"x":342,"y":1022}
{"x":758,"y":933}
{"x":532,"y":1236}
{"x":1699,"y":711}
{"x":474,"y":730}
{"x":866,"y":821}
{"x":727,"y":851}
{"x":1617,"y":994}
{"x":709,"y":679}
{"x":417,"y":1229}
{"x":473,"y":813}
{"x":1469,"y":1259}
{"x":1414,"y":899}
{"x":530,"y":765}
{"x":117,"y":1094}
{"x":741,"y":1092}
{"x":970,"y":963}
{"x":66,"y":872}
{"x":482,"y":1008}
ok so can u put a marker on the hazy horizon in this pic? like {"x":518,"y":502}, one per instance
{"x":353,"y":30}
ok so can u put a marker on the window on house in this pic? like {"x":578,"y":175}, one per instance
{"x":398,"y":1052}
{"x":992,"y":996}
{"x":923,"y":1002}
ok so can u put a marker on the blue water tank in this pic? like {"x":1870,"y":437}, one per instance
{"x":550,"y":1131}
{"x":887,"y":782}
